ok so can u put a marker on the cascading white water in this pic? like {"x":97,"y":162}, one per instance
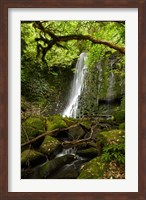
{"x":77,"y":87}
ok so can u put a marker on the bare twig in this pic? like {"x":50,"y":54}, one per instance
{"x":81,"y":140}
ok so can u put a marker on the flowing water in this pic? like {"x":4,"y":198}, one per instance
{"x":71,"y":170}
{"x":111,"y":83}
{"x":110,"y":90}
{"x":99,"y":68}
{"x":77,"y":87}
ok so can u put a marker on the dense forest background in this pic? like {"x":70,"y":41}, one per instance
{"x":49,"y":53}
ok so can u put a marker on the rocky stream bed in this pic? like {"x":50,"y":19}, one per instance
{"x":66,"y":148}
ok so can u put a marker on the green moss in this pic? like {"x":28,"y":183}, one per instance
{"x":32,"y":127}
{"x":55,"y":122}
{"x":101,"y":139}
{"x":31,"y":157}
{"x":50,"y":146}
{"x":113,"y":134}
{"x":90,"y":152}
{"x":122,"y":126}
{"x":69,"y":121}
{"x":94,"y":169}
{"x":86,"y":124}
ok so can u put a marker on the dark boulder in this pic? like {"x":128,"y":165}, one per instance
{"x":76,"y":133}
{"x":45,"y":170}
{"x":31,"y":158}
{"x":90,"y":153}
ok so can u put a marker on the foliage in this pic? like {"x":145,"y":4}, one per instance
{"x":68,"y":51}
{"x":46,"y":80}
{"x":119,"y":116}
{"x":114,"y":152}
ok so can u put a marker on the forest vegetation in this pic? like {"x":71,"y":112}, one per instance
{"x":88,"y":143}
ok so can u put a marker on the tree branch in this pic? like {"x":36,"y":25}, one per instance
{"x":81,"y":140}
{"x":94,"y":41}
{"x":51,"y":133}
{"x":56,"y":39}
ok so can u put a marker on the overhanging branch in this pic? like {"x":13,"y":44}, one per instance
{"x":55,"y":40}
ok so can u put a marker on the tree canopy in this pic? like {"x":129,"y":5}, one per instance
{"x":56,"y":42}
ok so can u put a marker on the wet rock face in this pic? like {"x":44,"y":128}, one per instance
{"x":103,"y":87}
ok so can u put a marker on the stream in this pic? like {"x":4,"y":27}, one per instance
{"x":71,"y":170}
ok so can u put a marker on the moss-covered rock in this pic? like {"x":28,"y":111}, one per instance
{"x":31,"y":128}
{"x":31,"y":157}
{"x":55,"y":122}
{"x":50,"y":146}
{"x":76,"y":133}
{"x":101,"y":141}
{"x":45,"y":170}
{"x":97,"y":169}
{"x":89,"y":153}
{"x":113,"y":136}
{"x":94,"y":169}
{"x":69,"y":121}
{"x":86,"y":123}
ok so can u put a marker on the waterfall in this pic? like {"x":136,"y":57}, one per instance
{"x":111,"y":83}
{"x":110,"y":90}
{"x":76,"y":88}
{"x":99,"y":68}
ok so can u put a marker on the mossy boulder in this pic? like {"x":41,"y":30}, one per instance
{"x":69,"y":121}
{"x":50,"y":146}
{"x":113,"y":136}
{"x":89,"y":153}
{"x":45,"y":170}
{"x":94,"y":169}
{"x":56,"y":122}
{"x":31,"y":128}
{"x":119,"y":116}
{"x":75,"y":133}
{"x":31,"y":157}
